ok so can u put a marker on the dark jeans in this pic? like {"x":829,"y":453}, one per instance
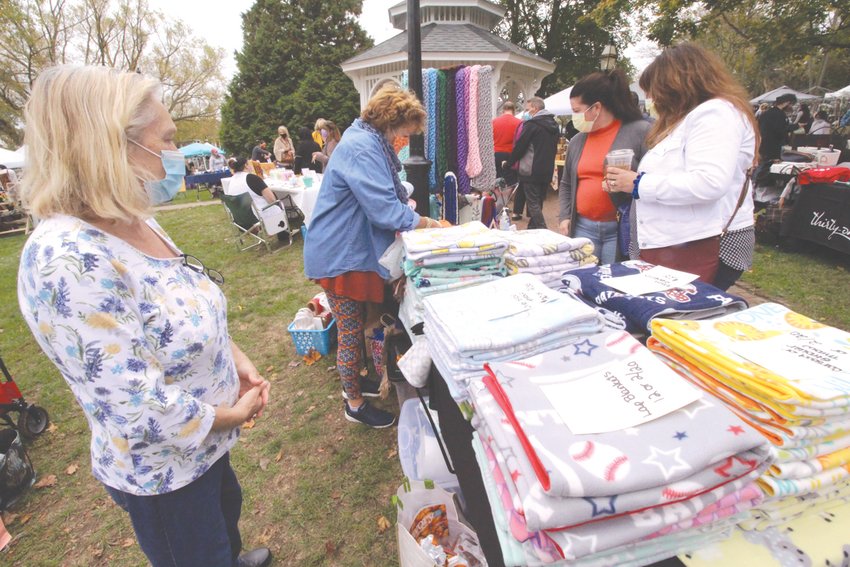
{"x":509,"y":175}
{"x":726,"y":276}
{"x":535,"y":193}
{"x":196,"y":525}
{"x":519,"y":200}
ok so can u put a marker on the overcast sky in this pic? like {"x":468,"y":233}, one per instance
{"x":222,"y":26}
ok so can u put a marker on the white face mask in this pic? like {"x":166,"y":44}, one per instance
{"x":581,"y":123}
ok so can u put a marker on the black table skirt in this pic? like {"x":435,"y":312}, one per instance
{"x":457,"y":434}
{"x":822,"y":215}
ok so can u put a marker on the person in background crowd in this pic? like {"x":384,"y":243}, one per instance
{"x":361,"y":205}
{"x":688,"y":184}
{"x":608,"y":119}
{"x":761,"y":109}
{"x":774,"y":127}
{"x":244,"y":182}
{"x":644,"y":113}
{"x":330,"y":136}
{"x":821,"y":126}
{"x":137,"y":328}
{"x":519,"y":194}
{"x":217,"y":160}
{"x":317,"y":133}
{"x":535,"y":150}
{"x":304,"y":150}
{"x":259,"y":153}
{"x":504,"y":130}
{"x":284,"y":150}
{"x":803,"y":119}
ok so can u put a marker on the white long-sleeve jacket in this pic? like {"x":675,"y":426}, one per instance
{"x":693,"y":177}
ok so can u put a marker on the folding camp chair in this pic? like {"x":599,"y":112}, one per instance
{"x":243,"y":216}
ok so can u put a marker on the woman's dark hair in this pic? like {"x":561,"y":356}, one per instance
{"x":821,"y":114}
{"x":304,"y":133}
{"x":611,"y":89}
{"x":237,"y":164}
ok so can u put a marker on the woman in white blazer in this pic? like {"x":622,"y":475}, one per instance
{"x":688,"y":184}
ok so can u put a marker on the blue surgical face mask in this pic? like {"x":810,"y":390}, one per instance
{"x":174,"y":164}
{"x":526,"y":115}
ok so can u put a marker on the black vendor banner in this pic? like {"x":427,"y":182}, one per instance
{"x":822,"y":215}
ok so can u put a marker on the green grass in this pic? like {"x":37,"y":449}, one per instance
{"x":810,"y":279}
{"x":319,"y":504}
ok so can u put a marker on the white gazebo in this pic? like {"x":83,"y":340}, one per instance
{"x":454,"y":32}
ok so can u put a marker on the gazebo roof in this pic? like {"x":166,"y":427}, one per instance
{"x":439,"y":37}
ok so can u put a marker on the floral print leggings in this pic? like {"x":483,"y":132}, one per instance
{"x":350,"y":318}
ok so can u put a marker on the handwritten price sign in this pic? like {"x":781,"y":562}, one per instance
{"x":620,"y":394}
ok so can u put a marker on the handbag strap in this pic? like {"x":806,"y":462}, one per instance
{"x":741,"y":198}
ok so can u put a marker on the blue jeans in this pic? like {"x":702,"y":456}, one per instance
{"x":602,"y":234}
{"x":196,"y":525}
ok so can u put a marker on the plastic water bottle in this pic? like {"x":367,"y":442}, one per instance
{"x":505,"y":220}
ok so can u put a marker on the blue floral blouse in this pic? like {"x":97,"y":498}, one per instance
{"x":142,"y":342}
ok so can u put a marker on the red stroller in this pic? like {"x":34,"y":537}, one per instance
{"x":32,"y":419}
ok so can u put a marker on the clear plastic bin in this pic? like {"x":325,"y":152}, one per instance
{"x":418,"y":449}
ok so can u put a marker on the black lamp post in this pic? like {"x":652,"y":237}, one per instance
{"x":416,"y":165}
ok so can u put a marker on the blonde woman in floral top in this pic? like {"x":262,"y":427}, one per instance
{"x":136,"y":328}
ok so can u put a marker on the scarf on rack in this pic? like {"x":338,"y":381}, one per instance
{"x":451,"y":119}
{"x":473,"y":163}
{"x":486,"y":179}
{"x":429,"y":83}
{"x":442,"y":124}
{"x":462,"y":97}
{"x":389,"y":154}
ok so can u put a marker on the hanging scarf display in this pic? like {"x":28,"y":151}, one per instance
{"x":486,"y":179}
{"x":462,"y":98}
{"x":473,"y":163}
{"x":450,"y":197}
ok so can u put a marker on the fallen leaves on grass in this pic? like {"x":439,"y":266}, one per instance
{"x":279,"y":456}
{"x":45,"y":481}
{"x":25,"y":519}
{"x":331,"y":549}
{"x":393,"y":453}
{"x":383,"y":524}
{"x":51,"y":428}
{"x":72,"y":469}
{"x":249,"y":424}
{"x":312,"y":357}
{"x":269,"y":369}
{"x":264,"y":464}
{"x":128,"y":542}
{"x":294,"y":363}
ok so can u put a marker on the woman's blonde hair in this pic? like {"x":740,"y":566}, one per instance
{"x":683,"y":77}
{"x":78,"y":123}
{"x":392,"y":107}
{"x":333,"y":131}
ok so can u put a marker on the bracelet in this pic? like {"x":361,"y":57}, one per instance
{"x":635,"y":194}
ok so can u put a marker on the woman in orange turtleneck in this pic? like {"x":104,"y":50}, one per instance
{"x":607,"y":119}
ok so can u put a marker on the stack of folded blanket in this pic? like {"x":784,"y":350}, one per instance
{"x":500,"y":320}
{"x":443,"y":259}
{"x":624,"y":497}
{"x":546,"y":254}
{"x":786,"y":375}
{"x":696,"y":300}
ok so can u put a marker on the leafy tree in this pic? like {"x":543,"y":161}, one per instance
{"x":801,"y":43}
{"x":569,"y":33}
{"x":288,"y":70}
{"x":124,"y":34}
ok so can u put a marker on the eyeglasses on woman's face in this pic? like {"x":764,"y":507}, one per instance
{"x":196,"y":265}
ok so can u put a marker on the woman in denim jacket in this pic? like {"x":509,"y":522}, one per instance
{"x":361,"y":206}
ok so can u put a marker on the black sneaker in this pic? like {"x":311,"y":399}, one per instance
{"x":368,"y":415}
{"x":368,"y":389}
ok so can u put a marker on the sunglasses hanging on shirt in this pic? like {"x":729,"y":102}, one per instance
{"x":196,"y":265}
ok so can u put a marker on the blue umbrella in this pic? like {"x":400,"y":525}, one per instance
{"x":198,"y":149}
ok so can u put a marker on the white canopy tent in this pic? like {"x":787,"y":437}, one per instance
{"x":771,"y":96}
{"x":840,"y":93}
{"x":13,"y":160}
{"x":559,"y":103}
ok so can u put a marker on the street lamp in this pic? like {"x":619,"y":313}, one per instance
{"x":608,"y":59}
